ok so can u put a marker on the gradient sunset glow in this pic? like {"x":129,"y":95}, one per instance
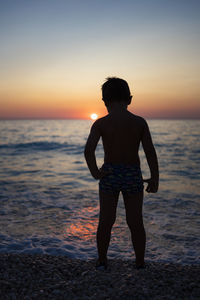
{"x":55,"y":55}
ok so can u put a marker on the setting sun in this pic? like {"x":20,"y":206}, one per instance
{"x":93,"y":116}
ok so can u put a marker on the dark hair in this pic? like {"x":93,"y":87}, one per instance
{"x":115,"y":90}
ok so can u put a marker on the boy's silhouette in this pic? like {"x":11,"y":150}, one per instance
{"x":121,"y":133}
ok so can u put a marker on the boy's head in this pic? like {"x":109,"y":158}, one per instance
{"x":116,"y":90}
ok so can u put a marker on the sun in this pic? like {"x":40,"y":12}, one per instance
{"x":93,"y":116}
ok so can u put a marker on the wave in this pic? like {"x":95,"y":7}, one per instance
{"x":20,"y":148}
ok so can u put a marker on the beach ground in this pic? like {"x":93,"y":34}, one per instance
{"x":24,"y":276}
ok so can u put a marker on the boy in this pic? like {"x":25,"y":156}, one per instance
{"x":121,"y":133}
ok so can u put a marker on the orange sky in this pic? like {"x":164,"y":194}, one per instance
{"x":54,"y":61}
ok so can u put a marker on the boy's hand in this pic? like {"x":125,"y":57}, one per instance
{"x":152,"y":186}
{"x":100,"y":174}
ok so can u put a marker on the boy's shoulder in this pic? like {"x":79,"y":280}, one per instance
{"x":137,"y":118}
{"x":97,"y":125}
{"x":100,"y":121}
{"x":103,"y":119}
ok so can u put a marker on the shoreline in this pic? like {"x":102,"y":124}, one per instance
{"x":34,"y":276}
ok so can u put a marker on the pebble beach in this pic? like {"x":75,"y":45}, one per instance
{"x":25,"y":276}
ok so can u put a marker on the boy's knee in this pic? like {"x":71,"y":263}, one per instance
{"x":134,"y":224}
{"x":107,"y":222}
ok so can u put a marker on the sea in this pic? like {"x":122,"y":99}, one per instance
{"x":49,"y":201}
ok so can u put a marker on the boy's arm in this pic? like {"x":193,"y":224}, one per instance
{"x":151,"y":159}
{"x":89,"y":152}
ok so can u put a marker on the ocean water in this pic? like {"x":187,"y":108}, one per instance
{"x":49,"y":201}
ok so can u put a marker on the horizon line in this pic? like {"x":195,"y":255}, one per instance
{"x":84,"y":119}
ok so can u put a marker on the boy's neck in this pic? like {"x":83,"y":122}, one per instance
{"x":117,"y":107}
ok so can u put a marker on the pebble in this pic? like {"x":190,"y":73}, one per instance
{"x":59,"y":277}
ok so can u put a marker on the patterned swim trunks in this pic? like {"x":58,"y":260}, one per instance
{"x":121,"y":177}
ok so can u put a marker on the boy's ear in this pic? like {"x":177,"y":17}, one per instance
{"x":129,"y":100}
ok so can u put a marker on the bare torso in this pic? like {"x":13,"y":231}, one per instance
{"x":121,"y":135}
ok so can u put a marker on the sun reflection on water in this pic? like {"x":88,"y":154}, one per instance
{"x":85,"y":226}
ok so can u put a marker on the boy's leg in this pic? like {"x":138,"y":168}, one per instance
{"x":107,"y":216}
{"x":133,"y":204}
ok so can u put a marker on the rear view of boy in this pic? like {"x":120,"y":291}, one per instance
{"x":121,"y":133}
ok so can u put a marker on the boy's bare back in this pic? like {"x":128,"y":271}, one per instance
{"x":121,"y":134}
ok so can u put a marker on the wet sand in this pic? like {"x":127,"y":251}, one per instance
{"x":58,"y":277}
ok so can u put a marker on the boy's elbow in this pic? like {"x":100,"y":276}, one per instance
{"x":88,"y":152}
{"x":149,"y":148}
{"x":150,"y":152}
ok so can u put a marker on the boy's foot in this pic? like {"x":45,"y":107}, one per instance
{"x":140,"y":266}
{"x":101,"y":265}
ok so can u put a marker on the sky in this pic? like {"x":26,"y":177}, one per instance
{"x":56,"y":54}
